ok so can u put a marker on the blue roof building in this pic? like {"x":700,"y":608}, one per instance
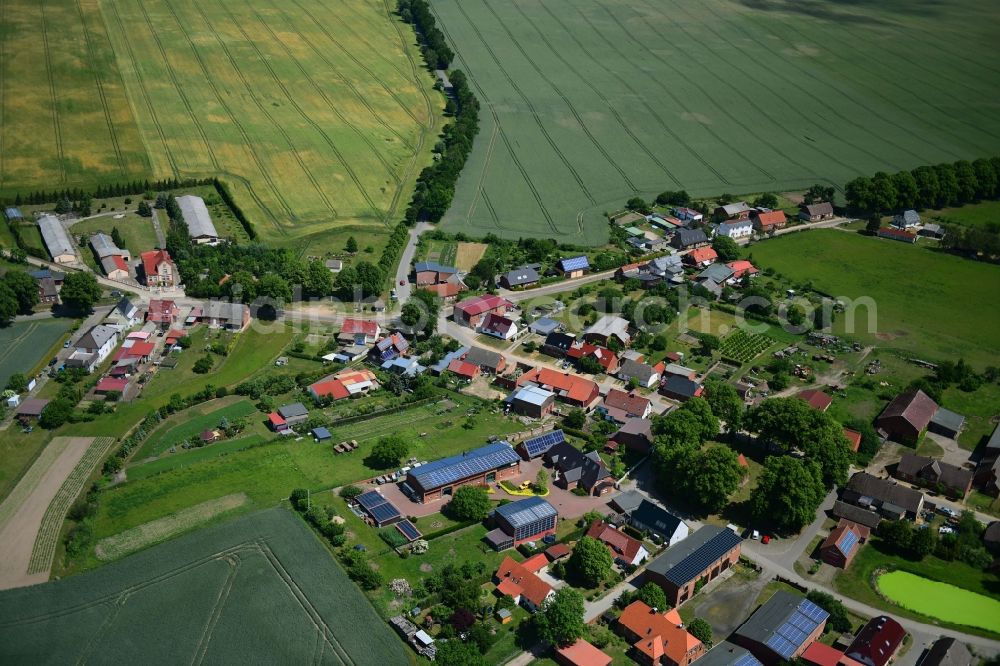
{"x":524,"y":520}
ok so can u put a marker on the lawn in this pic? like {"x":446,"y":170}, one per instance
{"x":941,"y":600}
{"x":194,"y":456}
{"x":262,"y":588}
{"x":979,"y":407}
{"x":941,"y":318}
{"x":26,"y":346}
{"x":190,"y":424}
{"x":590,"y":103}
{"x":985,"y":214}
{"x":136,"y":231}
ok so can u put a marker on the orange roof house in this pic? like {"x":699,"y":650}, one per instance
{"x":742,"y":267}
{"x":536,"y":562}
{"x":623,"y":547}
{"x":569,"y":388}
{"x":464,"y":369}
{"x":702,"y":256}
{"x":527,"y":589}
{"x":774,"y":219}
{"x":819,"y":654}
{"x":607,"y":359}
{"x":854,"y":438}
{"x":658,"y":638}
{"x":581,"y":653}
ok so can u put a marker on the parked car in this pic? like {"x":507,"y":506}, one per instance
{"x":944,"y":529}
{"x":948,"y":511}
{"x":67,"y":344}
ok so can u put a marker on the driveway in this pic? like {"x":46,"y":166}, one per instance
{"x":404,"y":291}
{"x":569,"y":506}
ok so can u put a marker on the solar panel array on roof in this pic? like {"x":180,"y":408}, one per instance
{"x":746,"y":660}
{"x":575,"y":263}
{"x":703,"y":552}
{"x":370,"y":499}
{"x":848,"y":540}
{"x":454,"y":468}
{"x":536,"y":446}
{"x":385,"y":512}
{"x":526,"y":511}
{"x":796,"y":629}
{"x":408,"y":530}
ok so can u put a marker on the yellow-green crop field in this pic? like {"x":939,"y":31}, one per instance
{"x":318,"y":115}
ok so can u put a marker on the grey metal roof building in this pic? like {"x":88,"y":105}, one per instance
{"x":946,"y":422}
{"x":484,"y":358}
{"x":688,"y":559}
{"x":293,"y":410}
{"x":105,"y":247}
{"x":526,"y":518}
{"x":56,"y":239}
{"x":947,"y":652}
{"x":520,"y":277}
{"x":782,"y":627}
{"x":728,"y":654}
{"x":197,"y":219}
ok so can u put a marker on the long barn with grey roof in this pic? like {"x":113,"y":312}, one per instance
{"x":483,"y":466}
{"x":56,"y":239}
{"x":699,"y":558}
{"x":198,"y":221}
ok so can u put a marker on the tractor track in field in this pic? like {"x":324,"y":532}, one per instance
{"x":360,"y":97}
{"x":144,"y":88}
{"x":115,"y":145}
{"x":56,"y":125}
{"x":597,"y":91}
{"x":500,"y":130}
{"x":792,"y":107}
{"x":93,"y":640}
{"x":481,"y":182}
{"x":531,"y":107}
{"x":218,"y":607}
{"x":875,"y":72}
{"x":831,"y":107}
{"x":569,"y":105}
{"x":395,"y":21}
{"x":247,"y":142}
{"x":357,"y":62}
{"x":343,"y":119}
{"x":696,"y":154}
{"x":722,"y":107}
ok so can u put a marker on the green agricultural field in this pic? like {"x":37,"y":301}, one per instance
{"x":929,"y":304}
{"x":317,"y":115}
{"x":587,"y":103}
{"x":258,"y":589}
{"x":24,"y":345}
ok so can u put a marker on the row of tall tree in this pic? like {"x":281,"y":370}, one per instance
{"x":433,"y":46}
{"x":937,"y":186}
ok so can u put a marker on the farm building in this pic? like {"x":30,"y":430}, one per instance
{"x":739,"y":210}
{"x":103,"y":246}
{"x":897,"y":235}
{"x":573,"y":267}
{"x":877,"y":642}
{"x":906,"y":416}
{"x":890,"y":499}
{"x":686,"y":239}
{"x":608,"y":326}
{"x":30,"y":408}
{"x":735,"y":229}
{"x":524,"y":587}
{"x":700,"y":557}
{"x":431,"y":272}
{"x":93,"y":347}
{"x":56,"y":239}
{"x":486,"y":360}
{"x":659,"y":522}
{"x":947,"y":651}
{"x":532,"y":401}
{"x":576,"y":469}
{"x":933,"y":473}
{"x":483,"y":466}
{"x":624,"y":549}
{"x":680,"y":388}
{"x":816,"y":212}
{"x":658,"y":638}
{"x":472,"y":311}
{"x":856,"y":514}
{"x":525,"y":276}
{"x":158,"y":269}
{"x":581,"y":653}
{"x":463,"y":369}
{"x":115,"y":267}
{"x":780,"y":630}
{"x":843,"y":543}
{"x":988,"y":470}
{"x":569,"y":388}
{"x":728,"y":654}
{"x":906,"y":220}
{"x":635,"y":434}
{"x":946,"y":423}
{"x":498,"y":326}
{"x":534,"y":447}
{"x":935,"y":231}
{"x":620,"y":405}
{"x":199,"y":222}
{"x":770,"y":221}
{"x":359,"y":331}
{"x":816,"y":399}
{"x":524,"y":520}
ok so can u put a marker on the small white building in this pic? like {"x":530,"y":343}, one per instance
{"x":735,"y":229}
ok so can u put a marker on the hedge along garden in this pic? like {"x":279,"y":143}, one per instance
{"x":587,"y":104}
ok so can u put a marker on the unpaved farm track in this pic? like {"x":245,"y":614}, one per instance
{"x":21,"y":514}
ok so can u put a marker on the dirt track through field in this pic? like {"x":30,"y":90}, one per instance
{"x":22,"y":512}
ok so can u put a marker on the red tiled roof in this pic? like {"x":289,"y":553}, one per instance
{"x":742,"y":266}
{"x":630,"y":403}
{"x":464,"y":368}
{"x":582,"y":653}
{"x":819,"y":654}
{"x":536,"y":562}
{"x":662,"y":634}
{"x":497,"y":324}
{"x":151,"y":261}
{"x":352,"y":326}
{"x":772,"y":218}
{"x":557,"y":551}
{"x":480,"y":304}
{"x":604,"y":356}
{"x":914,"y":406}
{"x":816,"y":399}
{"x":275,"y":419}
{"x":333,"y":388}
{"x":443,"y":289}
{"x":897,"y":233}
{"x":854,"y":437}
{"x":620,"y":544}
{"x":515,"y":580}
{"x":111,"y":384}
{"x":119,"y":262}
{"x":703,"y":254}
{"x":161,"y":310}
{"x":139,"y":349}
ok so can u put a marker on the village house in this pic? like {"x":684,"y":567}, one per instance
{"x":816,"y":212}
{"x":389,"y":348}
{"x":498,"y":326}
{"x":488,"y":361}
{"x":532,"y":401}
{"x":659,"y":522}
{"x":635,"y":434}
{"x":524,"y":587}
{"x":607,"y":327}
{"x":431,"y":272}
{"x":843,"y":543}
{"x":620,"y":405}
{"x":163,"y":313}
{"x":123,"y":316}
{"x":687,"y":239}
{"x":557,"y":344}
{"x":521,"y":521}
{"x":729,"y":654}
{"x":688,"y":214}
{"x":581,"y":653}
{"x":607,"y":359}
{"x":770,"y":221}
{"x":568,"y":387}
{"x":93,"y":347}
{"x":906,"y":416}
{"x":906,"y":220}
{"x":937,"y":475}
{"x":644,"y":374}
{"x":158,"y":269}
{"x":701,"y":257}
{"x":49,"y":283}
{"x":741,"y":268}
{"x":472,"y":311}
{"x":816,"y":399}
{"x":877,"y":642}
{"x":525,"y":276}
{"x":781,"y":629}
{"x":536,"y":446}
{"x":735,"y":229}
{"x":575,"y":469}
{"x":739,"y":210}
{"x":287,"y":417}
{"x":625,"y":550}
{"x":359,"y":331}
{"x":573,"y":267}
{"x":232,"y":317}
{"x":466,"y":371}
{"x":947,"y":651}
{"x":890,"y":499}
{"x":658,"y":638}
{"x":480,"y":467}
{"x":987,"y":476}
{"x":343,"y":384}
{"x":694,"y":561}
{"x":680,"y":388}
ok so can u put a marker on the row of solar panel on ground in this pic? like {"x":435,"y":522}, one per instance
{"x":408,"y":530}
{"x":536,"y":446}
{"x":378,"y":507}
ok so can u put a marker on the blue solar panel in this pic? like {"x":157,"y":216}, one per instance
{"x":781,"y":646}
{"x":847,"y":542}
{"x":454,"y":468}
{"x":384,"y":512}
{"x":575,"y":263}
{"x":370,"y":500}
{"x":536,"y":446}
{"x":812,"y":611}
{"x":746,"y":660}
{"x":408,"y":530}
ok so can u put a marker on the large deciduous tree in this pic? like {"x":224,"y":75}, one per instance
{"x":80,"y":291}
{"x":25,"y":290}
{"x":560,"y":621}
{"x":590,"y":563}
{"x":469,"y":503}
{"x":788,"y":493}
{"x":388,"y":452}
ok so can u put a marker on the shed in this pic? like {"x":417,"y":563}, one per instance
{"x":321,"y":434}
{"x":947,"y":423}
{"x":544,"y":326}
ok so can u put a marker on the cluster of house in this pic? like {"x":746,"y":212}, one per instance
{"x":154,"y":268}
{"x":906,"y":227}
{"x":529,"y":275}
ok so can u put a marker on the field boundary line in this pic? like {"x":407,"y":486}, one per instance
{"x":534,"y":112}
{"x":503,"y":134}
{"x":653,"y":113}
{"x":247,"y":142}
{"x":48,"y":455}
{"x":830,"y":107}
{"x":218,"y":608}
{"x":134,"y":62}
{"x":13,"y":344}
{"x":115,"y":145}
{"x":60,"y":149}
{"x":569,"y":104}
{"x":47,"y":538}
